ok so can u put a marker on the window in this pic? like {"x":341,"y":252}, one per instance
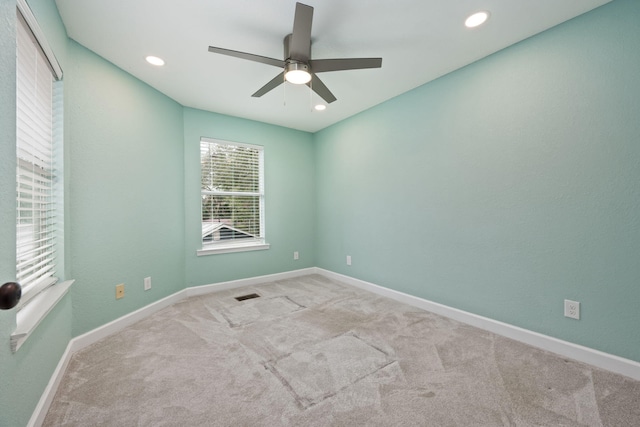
{"x":232,"y":192}
{"x":40,"y":201}
{"x":37,"y":181}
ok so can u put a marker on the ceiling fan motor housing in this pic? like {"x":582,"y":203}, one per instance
{"x":296,"y":69}
{"x":287,"y":54}
{"x":293,"y":65}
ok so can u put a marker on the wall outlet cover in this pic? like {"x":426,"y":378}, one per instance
{"x":120,"y":291}
{"x":572,"y":309}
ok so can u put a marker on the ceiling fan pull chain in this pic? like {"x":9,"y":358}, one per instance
{"x":284,"y":91}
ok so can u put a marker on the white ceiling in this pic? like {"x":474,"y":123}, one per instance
{"x":419,"y":40}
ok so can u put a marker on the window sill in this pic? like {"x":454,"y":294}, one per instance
{"x":29,"y":317}
{"x":212,"y":250}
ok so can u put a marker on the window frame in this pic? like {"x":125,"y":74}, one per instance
{"x":241,"y":245}
{"x":43,"y":297}
{"x":36,"y":169}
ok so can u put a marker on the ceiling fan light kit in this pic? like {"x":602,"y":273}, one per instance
{"x":297,"y":73}
{"x":297,"y":65}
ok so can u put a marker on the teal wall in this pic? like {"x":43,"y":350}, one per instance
{"x":289,"y":199}
{"x":505,"y":187}
{"x":126,"y":201}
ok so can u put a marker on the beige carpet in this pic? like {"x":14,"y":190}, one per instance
{"x":314,"y":352}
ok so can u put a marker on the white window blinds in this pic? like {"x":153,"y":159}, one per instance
{"x":232,"y":191}
{"x":35,"y":246}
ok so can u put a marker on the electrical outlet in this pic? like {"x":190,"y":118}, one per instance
{"x":571,"y":309}
{"x":120,"y":291}
{"x":296,"y":255}
{"x":147,"y":283}
{"x":348,"y":259}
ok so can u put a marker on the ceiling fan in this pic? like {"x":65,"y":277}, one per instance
{"x":298,"y":67}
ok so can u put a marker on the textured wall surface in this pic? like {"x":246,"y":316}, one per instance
{"x":126,"y":173}
{"x":289,"y":199}
{"x":505,"y":187}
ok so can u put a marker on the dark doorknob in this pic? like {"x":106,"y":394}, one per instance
{"x":10,"y":294}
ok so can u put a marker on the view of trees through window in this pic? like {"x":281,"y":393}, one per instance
{"x":231,"y":191}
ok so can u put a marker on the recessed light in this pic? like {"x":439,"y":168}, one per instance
{"x":476,"y":19}
{"x":320,"y":107}
{"x":154,"y":60}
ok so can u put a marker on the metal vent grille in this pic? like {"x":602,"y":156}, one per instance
{"x":246,"y":297}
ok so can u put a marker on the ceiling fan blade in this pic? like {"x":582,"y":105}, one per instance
{"x":249,"y":56}
{"x":274,"y":83}
{"x":323,"y":65}
{"x":319,"y":88}
{"x":300,"y":45}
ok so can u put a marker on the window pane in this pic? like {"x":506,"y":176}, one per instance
{"x":231,"y":192}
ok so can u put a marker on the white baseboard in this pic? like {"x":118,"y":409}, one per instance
{"x":38,"y":415}
{"x":84,"y":340}
{"x":580,"y":353}
{"x":577,"y":352}
{"x":223,"y":286}
{"x":94,"y":335}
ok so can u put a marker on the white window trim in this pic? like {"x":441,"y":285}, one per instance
{"x":230,"y":248}
{"x":30,"y":315}
{"x":28,"y":16}
{"x":253,"y":245}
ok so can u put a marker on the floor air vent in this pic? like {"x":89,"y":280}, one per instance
{"x":249,"y":296}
